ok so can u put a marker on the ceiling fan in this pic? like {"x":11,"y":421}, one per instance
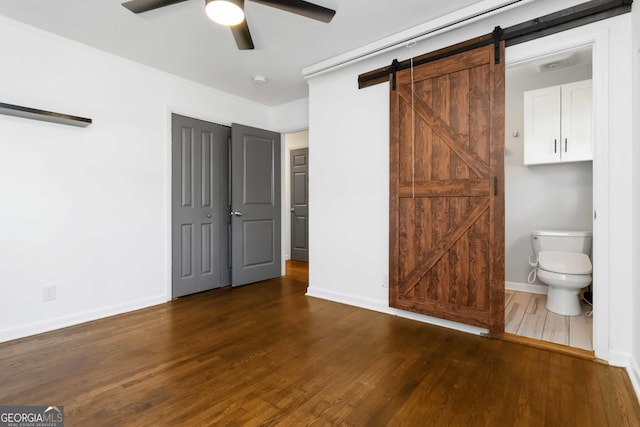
{"x":216,"y":10}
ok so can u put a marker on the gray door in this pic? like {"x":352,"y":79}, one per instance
{"x":255,"y":204}
{"x":199,"y":205}
{"x":300,"y":204}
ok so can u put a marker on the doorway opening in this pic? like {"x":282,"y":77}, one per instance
{"x":546,"y":188}
{"x":296,"y":197}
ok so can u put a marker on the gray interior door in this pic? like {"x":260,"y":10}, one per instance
{"x":255,"y":204}
{"x":300,"y":204}
{"x":199,"y":205}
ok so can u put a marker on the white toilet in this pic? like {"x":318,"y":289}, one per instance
{"x":563,"y":264}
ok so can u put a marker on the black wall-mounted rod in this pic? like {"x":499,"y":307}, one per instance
{"x":582,"y":14}
{"x":43,"y":115}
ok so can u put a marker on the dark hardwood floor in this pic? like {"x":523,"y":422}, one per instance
{"x":265,"y":354}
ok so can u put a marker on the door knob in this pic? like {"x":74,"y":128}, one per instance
{"x":235,"y":213}
{"x":292,"y":209}
{"x":208,"y":215}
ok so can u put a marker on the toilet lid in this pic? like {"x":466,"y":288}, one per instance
{"x":564,"y":262}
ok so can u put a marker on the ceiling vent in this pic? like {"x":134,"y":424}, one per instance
{"x":555,"y":65}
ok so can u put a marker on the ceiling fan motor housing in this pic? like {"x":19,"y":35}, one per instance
{"x":239,"y":27}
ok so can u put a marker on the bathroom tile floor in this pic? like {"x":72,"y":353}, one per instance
{"x":527,"y":315}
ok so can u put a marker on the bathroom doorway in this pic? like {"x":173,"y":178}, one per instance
{"x":553,"y":194}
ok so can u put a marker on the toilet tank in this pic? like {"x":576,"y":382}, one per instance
{"x":561,"y":240}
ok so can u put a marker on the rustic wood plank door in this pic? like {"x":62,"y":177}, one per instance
{"x":446,"y":189}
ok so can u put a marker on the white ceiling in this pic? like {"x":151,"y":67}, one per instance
{"x":181,"y":40}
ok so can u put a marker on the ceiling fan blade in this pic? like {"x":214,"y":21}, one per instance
{"x":242,"y":35}
{"x":139,"y":6}
{"x":300,"y":7}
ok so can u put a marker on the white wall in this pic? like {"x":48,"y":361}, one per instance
{"x":290,"y":117}
{"x":556,"y":197}
{"x":349,"y":131}
{"x":635,"y":324}
{"x":621,"y":169}
{"x":87,"y":209}
{"x":292,"y":141}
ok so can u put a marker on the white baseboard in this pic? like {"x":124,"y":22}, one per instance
{"x":383,"y":307}
{"x":76,"y":318}
{"x":619,"y":358}
{"x":532,"y":288}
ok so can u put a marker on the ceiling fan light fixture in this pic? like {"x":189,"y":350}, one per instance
{"x":225,"y":12}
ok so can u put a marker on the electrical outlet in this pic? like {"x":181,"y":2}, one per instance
{"x":48,"y":293}
{"x":384,"y":280}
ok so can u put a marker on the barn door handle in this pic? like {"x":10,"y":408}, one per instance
{"x":555,"y":145}
{"x":495,"y":185}
{"x":565,"y":145}
{"x":235,"y":213}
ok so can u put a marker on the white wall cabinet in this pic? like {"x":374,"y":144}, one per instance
{"x":557,"y":124}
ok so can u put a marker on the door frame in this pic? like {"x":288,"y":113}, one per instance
{"x":599,"y":41}
{"x":289,"y":145}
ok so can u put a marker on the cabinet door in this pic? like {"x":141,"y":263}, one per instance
{"x":576,"y":122}
{"x":542,"y":126}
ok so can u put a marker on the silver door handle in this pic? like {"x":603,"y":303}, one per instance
{"x":235,"y":213}
{"x":208,"y":215}
{"x":292,"y":209}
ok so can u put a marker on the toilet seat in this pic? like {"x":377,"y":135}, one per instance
{"x":564,"y":262}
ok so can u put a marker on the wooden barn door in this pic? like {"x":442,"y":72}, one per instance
{"x":447,"y":192}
